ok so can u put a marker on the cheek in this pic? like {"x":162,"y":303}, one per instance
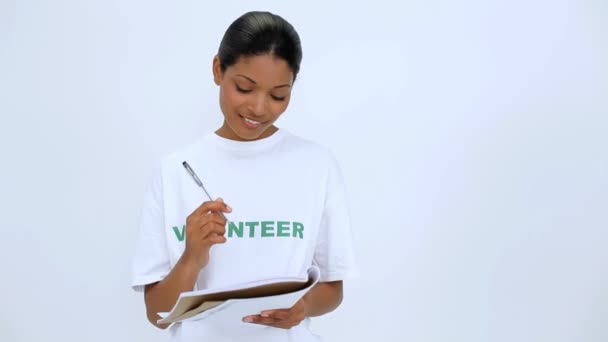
{"x":278,"y":107}
{"x":230,"y":99}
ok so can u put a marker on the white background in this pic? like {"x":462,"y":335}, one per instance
{"x":472,"y":136}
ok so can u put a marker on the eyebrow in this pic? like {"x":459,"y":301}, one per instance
{"x":254,"y":82}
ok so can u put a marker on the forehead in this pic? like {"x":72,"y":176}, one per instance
{"x":264,"y":69}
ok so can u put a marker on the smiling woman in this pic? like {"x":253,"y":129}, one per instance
{"x":288,"y":194}
{"x":257,"y":63}
{"x":254,"y":92}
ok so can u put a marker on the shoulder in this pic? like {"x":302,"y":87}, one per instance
{"x":181,"y":153}
{"x":308,"y":148}
{"x":171,"y":161}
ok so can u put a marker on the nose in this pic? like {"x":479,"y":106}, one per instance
{"x":258,"y":105}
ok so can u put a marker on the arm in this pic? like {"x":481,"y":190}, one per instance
{"x":162,"y":295}
{"x":323,"y":298}
{"x":204,"y":228}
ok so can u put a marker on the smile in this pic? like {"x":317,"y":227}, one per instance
{"x":251,"y":123}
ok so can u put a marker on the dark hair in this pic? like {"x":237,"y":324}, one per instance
{"x":258,"y":33}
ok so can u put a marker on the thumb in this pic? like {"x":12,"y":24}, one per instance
{"x":219,"y":199}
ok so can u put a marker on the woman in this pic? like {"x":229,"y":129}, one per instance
{"x":284,"y":193}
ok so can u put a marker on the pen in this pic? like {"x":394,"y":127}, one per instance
{"x":199,"y":183}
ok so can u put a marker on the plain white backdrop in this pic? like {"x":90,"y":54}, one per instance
{"x":472,"y":136}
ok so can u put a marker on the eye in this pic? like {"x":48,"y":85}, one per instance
{"x":276,"y":98}
{"x":241,"y":90}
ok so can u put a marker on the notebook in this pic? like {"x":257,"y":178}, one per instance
{"x":236,"y":301}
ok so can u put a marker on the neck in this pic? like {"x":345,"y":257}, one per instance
{"x":226,"y":132}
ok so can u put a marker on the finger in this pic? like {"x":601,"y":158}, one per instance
{"x":202,"y":209}
{"x":227,"y":207}
{"x":202,"y":226}
{"x":277,"y":324}
{"x":213,"y":228}
{"x":257,"y":319}
{"x":208,"y":206}
{"x":215,"y":239}
{"x":213,"y":219}
{"x":281,"y":314}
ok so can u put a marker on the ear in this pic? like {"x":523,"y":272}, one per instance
{"x":217,"y":70}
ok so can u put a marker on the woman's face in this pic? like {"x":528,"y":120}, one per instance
{"x":254,"y":92}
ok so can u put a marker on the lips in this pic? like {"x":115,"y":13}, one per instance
{"x":250,"y":123}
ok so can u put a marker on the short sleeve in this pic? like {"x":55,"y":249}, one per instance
{"x":151,"y":261}
{"x":334,"y":251}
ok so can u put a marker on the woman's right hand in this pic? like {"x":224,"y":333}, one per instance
{"x":205,"y":227}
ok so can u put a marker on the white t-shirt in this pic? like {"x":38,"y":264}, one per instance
{"x":289,"y":211}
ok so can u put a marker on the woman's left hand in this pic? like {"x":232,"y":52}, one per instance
{"x":280,"y":318}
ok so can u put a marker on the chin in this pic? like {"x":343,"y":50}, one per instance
{"x":247,"y":134}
